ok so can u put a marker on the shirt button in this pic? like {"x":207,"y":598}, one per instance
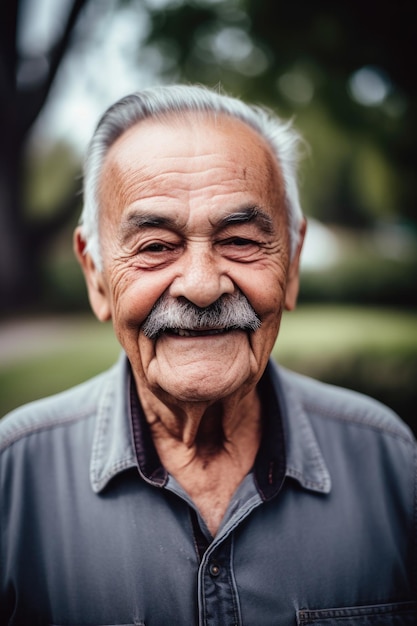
{"x":214,"y":569}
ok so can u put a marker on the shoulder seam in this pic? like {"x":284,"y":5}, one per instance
{"x":372,"y":425}
{"x":20,"y":433}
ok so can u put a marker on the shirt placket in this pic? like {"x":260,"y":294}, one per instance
{"x":218,"y":597}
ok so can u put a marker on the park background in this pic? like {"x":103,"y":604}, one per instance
{"x":344,"y":72}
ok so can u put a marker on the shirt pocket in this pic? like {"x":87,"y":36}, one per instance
{"x":397,"y":614}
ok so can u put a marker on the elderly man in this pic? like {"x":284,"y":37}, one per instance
{"x":196,"y":482}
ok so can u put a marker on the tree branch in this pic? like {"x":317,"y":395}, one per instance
{"x":37,"y":97}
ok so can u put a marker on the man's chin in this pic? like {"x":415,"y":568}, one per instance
{"x":194,"y":392}
{"x":196,"y":374}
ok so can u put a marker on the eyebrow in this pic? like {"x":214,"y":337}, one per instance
{"x":250,"y":214}
{"x":137,"y":221}
{"x":149,"y":220}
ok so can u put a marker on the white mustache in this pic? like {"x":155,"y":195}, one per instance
{"x":230,"y":311}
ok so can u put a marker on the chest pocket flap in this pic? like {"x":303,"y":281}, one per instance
{"x":397,"y":614}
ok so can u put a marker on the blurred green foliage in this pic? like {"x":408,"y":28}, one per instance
{"x":343,"y":70}
{"x":384,"y":282}
{"x":52,"y":170}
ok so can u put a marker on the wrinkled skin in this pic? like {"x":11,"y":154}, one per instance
{"x":193,"y":208}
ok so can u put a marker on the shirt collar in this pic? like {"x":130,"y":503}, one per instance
{"x":112,"y":450}
{"x":121,"y":424}
{"x":305,"y":462}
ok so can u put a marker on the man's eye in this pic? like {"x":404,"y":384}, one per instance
{"x":240,"y":249}
{"x":240,"y":242}
{"x":155,"y":247}
{"x":156,"y":254}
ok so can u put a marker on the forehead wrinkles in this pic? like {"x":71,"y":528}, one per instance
{"x":213,"y":152}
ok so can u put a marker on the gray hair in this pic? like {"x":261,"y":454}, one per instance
{"x":157,"y":103}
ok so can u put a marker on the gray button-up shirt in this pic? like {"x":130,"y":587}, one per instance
{"x":90,"y":537}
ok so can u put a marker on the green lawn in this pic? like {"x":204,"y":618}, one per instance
{"x":83,"y":348}
{"x":372,"y":350}
{"x":325,"y":331}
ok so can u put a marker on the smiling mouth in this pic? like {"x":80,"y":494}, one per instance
{"x":183,"y":332}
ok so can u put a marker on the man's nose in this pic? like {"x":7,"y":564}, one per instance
{"x":202,"y":278}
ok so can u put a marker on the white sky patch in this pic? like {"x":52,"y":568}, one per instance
{"x":39,"y":22}
{"x":369,"y":86}
{"x":104,"y":67}
{"x":321,"y":247}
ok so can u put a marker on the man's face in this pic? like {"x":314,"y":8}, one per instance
{"x":192,"y":210}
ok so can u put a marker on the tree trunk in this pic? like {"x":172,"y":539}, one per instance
{"x":21,"y":241}
{"x":19,"y":270}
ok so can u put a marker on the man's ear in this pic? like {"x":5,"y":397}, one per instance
{"x":293,"y":281}
{"x":96,"y":286}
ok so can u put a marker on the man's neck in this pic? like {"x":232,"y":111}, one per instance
{"x":208,"y":449}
